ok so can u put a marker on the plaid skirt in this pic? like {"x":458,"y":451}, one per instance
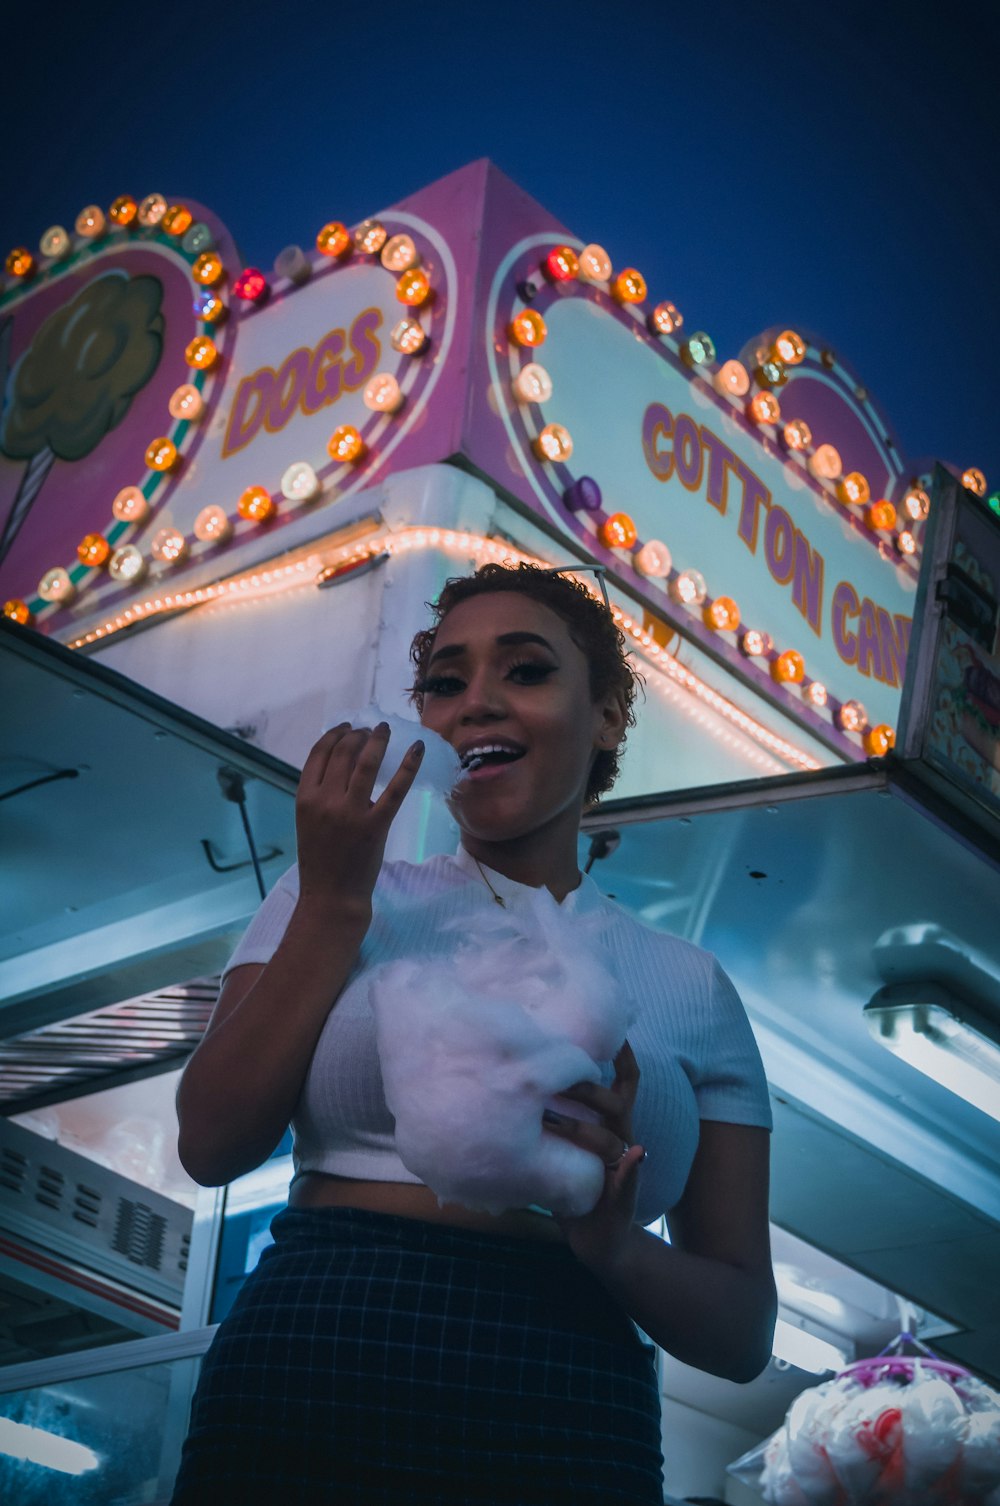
{"x":371,"y":1358}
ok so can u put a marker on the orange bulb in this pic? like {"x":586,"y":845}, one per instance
{"x":17,"y":611}
{"x":345,"y":444}
{"x":665,"y":319}
{"x":334,"y":239}
{"x":527,"y":329}
{"x":852,"y":717}
{"x":789,"y":668}
{"x":207,"y":269}
{"x":256,"y":504}
{"x":201,"y":353}
{"x":629,"y":286}
{"x":177,"y":219}
{"x":123,"y":211}
{"x":161,"y":455}
{"x":90,"y":222}
{"x":797,"y":434}
{"x":618,"y":531}
{"x":881,"y":514}
{"x":723,"y":615}
{"x":413,"y":286}
{"x":732,"y":379}
{"x":916,"y":502}
{"x":789,"y":348}
{"x":974,"y":481}
{"x":211,"y":308}
{"x":854,"y":489}
{"x":93,"y":550}
{"x":20,"y":262}
{"x":878,"y":740}
{"x":554,"y":443}
{"x":905,"y":542}
{"x":764,"y":408}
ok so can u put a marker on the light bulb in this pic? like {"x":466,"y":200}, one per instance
{"x":629,"y":286}
{"x":177,"y":219}
{"x":55,"y":243}
{"x":665,"y":319}
{"x":532,"y":384}
{"x":653,"y":560}
{"x":723,"y":615}
{"x":127,"y":564}
{"x":764,"y":408}
{"x":151,"y":210}
{"x":333,"y":240}
{"x":93,"y":550}
{"x":698,"y":349}
{"x":408,"y":337}
{"x":689,"y":588}
{"x":853,"y":489}
{"x":130,"y":505}
{"x":554,"y":443}
{"x":881,"y":515}
{"x":123,"y":211}
{"x":20,"y":262}
{"x":527,"y":329}
{"x":293,"y":263}
{"x":852,"y":717}
{"x":916,"y":503}
{"x":370,"y":237}
{"x":209,"y":307}
{"x":815,"y":693}
{"x":413,"y":287}
{"x":212,"y":526}
{"x":825,"y":462}
{"x":797,"y":434}
{"x":345,"y":444}
{"x":56,"y":586}
{"x":878,"y":740}
{"x":754,"y":643}
{"x":17,"y":611}
{"x":974,"y":481}
{"x":168,"y":546}
{"x":197,"y":239}
{"x":207,"y":269}
{"x":186,"y":402}
{"x":789,"y":668}
{"x":251,"y":285}
{"x":399,"y":253}
{"x":91,"y":222}
{"x":562,"y":264}
{"x":256,"y":504}
{"x":732,"y":379}
{"x":201,"y":353}
{"x":583,"y":495}
{"x":161,"y":454}
{"x":382,"y":394}
{"x":594,"y":264}
{"x":906,"y":542}
{"x":789,"y":348}
{"x":618,"y":531}
{"x":300,"y":483}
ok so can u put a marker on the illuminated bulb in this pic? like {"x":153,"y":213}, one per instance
{"x":413,"y":287}
{"x":754,"y":643}
{"x":294,"y":264}
{"x":55,"y":243}
{"x":126,"y":564}
{"x":399,"y":253}
{"x":333,"y":239}
{"x":17,"y":611}
{"x":878,"y":740}
{"x":698,"y":349}
{"x":177,"y":219}
{"x":852,"y":717}
{"x":789,"y":668}
{"x":20,"y":262}
{"x":629,"y":286}
{"x":345,"y":444}
{"x":797,"y":434}
{"x":654,"y":560}
{"x":974,"y":481}
{"x":594,"y":264}
{"x":532,"y":384}
{"x":408,"y":337}
{"x":130,"y":505}
{"x":212,"y":526}
{"x":300,"y":483}
{"x":256,"y":504}
{"x":665,"y":319}
{"x":527,"y":329}
{"x":853,"y":488}
{"x":916,"y":503}
{"x":207,"y":269}
{"x":168,"y":546}
{"x":56,"y":586}
{"x":161,"y":455}
{"x":93,"y":550}
{"x":382,"y":394}
{"x":825,"y":462}
{"x":881,"y":515}
{"x":689,"y":588}
{"x":210,"y":307}
{"x":764,"y":408}
{"x":815,"y":693}
{"x":370,"y":236}
{"x":123,"y":211}
{"x":723,"y":615}
{"x":554,"y":443}
{"x":251,"y":286}
{"x":583,"y":495}
{"x":618,"y":531}
{"x":186,"y":402}
{"x":151,"y":210}
{"x":789,"y":348}
{"x":906,"y":542}
{"x":90,"y":222}
{"x":201,"y":353}
{"x":562,"y":264}
{"x":732,"y":379}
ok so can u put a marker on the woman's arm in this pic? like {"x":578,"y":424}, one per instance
{"x":240,"y":1087}
{"x":708,"y":1297}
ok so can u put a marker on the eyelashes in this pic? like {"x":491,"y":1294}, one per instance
{"x":523,"y":672}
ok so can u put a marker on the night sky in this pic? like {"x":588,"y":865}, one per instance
{"x":833,"y":167}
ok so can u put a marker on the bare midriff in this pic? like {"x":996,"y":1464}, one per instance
{"x":317,"y":1189}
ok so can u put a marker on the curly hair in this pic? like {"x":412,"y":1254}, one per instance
{"x":591,"y":627}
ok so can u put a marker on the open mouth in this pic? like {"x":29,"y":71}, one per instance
{"x":487,"y":755}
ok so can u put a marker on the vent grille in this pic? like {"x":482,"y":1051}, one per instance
{"x":139,"y":1233}
{"x":120,"y":1043}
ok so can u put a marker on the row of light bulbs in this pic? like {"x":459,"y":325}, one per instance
{"x":532,"y":384}
{"x":125,"y":563}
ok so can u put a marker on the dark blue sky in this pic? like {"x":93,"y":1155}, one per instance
{"x":833,"y":166}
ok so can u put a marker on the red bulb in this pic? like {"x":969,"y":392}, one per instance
{"x":251,"y":285}
{"x":562,"y":264}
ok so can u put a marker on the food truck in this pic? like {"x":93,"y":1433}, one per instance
{"x":226,"y":495}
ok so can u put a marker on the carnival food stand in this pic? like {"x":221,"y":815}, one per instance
{"x":225,"y":496}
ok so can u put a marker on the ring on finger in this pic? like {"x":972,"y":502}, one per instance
{"x":613,"y":1165}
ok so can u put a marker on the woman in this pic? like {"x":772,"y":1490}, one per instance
{"x":391,"y":1349}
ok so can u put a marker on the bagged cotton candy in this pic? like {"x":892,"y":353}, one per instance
{"x":475,"y":1044}
{"x":440,"y":768}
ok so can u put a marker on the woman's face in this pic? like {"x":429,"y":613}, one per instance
{"x":505,"y":680}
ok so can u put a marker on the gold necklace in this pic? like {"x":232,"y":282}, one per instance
{"x":498,"y":898}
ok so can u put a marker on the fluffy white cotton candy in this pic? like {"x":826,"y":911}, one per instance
{"x":933,"y":1421}
{"x":806,"y":1427}
{"x":862,"y":1436}
{"x":981,"y":1451}
{"x":440,"y":768}
{"x":473,"y":1045}
{"x":778,"y":1485}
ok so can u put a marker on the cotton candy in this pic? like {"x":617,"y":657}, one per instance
{"x":474,"y":1046}
{"x":440,"y":768}
{"x":807,"y":1426}
{"x":933,"y":1418}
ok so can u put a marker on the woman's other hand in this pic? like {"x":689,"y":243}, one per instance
{"x":341,"y":831}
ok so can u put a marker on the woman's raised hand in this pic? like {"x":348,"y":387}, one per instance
{"x":341,"y":831}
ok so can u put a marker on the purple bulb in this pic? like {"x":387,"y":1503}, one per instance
{"x":583,"y":496}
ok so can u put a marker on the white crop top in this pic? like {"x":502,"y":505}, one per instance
{"x":696,"y":1052}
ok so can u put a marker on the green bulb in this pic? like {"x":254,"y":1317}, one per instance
{"x":993,"y":503}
